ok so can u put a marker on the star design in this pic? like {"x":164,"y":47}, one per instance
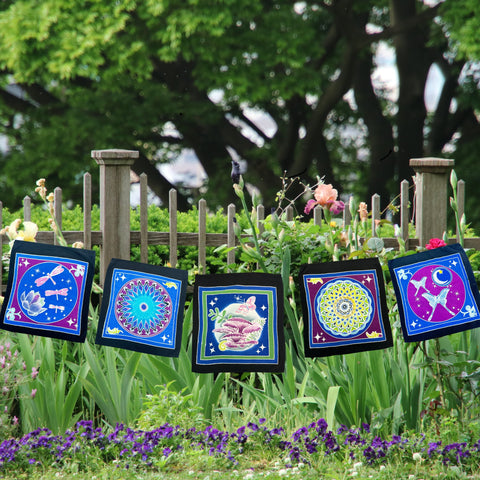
{"x":413,"y":324}
{"x":262,"y":347}
{"x":317,"y":337}
{"x":26,"y":262}
{"x":212,"y":350}
{"x":164,"y":337}
{"x":454,"y":262}
{"x":263,"y":307}
{"x":212,"y":303}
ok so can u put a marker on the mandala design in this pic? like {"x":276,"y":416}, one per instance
{"x":344,"y":308}
{"x":143,"y":307}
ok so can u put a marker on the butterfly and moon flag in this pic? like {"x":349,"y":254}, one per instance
{"x":142,"y":308}
{"x":48,"y":290}
{"x":436,"y":293}
{"x":344,"y":307}
{"x":238,"y":323}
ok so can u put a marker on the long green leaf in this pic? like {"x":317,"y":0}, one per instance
{"x":332,"y":398}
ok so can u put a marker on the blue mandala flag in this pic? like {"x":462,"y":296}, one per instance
{"x":238,"y":323}
{"x":142,"y":308}
{"x":436,"y":293}
{"x":48,"y":291}
{"x":344,"y":307}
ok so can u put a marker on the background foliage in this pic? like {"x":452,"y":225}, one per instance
{"x":161,"y":76}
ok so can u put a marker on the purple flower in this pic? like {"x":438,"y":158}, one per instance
{"x":337,"y":207}
{"x":310,"y":205}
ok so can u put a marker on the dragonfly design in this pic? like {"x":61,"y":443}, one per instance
{"x":49,"y":276}
{"x":62,"y":291}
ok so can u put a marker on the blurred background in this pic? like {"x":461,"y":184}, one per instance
{"x":344,"y":90}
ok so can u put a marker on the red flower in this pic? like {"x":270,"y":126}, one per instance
{"x":435,"y":243}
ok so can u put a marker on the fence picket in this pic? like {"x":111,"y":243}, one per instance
{"x":375,"y":213}
{"x":460,"y":203}
{"x":317,"y":215}
{"x":289,"y":213}
{"x":231,"y":233}
{"x":172,"y":210}
{"x":87,"y":211}
{"x":404,"y":210}
{"x":347,"y":212}
{"x":27,"y":209}
{"x":143,"y":218}
{"x":57,"y":209}
{"x":202,"y":235}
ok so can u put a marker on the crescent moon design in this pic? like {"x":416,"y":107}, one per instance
{"x":442,"y":276}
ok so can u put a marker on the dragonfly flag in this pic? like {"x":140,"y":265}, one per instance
{"x":48,"y":290}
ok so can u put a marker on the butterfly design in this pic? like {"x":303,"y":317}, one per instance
{"x":247,"y":306}
{"x":470,"y":311}
{"x":78,"y":270}
{"x":403,"y":275}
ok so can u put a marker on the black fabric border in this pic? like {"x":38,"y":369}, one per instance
{"x":345,"y":266}
{"x":227,"y":279}
{"x":43,"y":249}
{"x":181,"y":275}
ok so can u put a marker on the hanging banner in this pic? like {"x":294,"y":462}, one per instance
{"x":436,"y":293}
{"x":142,"y":308}
{"x":48,"y":290}
{"x":238,"y":323}
{"x":344,"y":307}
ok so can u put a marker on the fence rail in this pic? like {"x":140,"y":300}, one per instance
{"x":115,"y":238}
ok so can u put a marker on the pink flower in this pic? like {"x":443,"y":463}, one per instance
{"x":34,"y":392}
{"x":337,"y":207}
{"x":34,"y":373}
{"x":309,"y":206}
{"x":435,"y":243}
{"x":325,"y":194}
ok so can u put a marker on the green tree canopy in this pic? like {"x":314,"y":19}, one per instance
{"x":159,"y":76}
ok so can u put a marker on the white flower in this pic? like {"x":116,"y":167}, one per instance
{"x":357,"y":465}
{"x":417,"y":457}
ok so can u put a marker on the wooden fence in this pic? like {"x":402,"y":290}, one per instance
{"x":114,"y":238}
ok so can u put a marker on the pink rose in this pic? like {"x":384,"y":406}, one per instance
{"x":435,"y":243}
{"x":325,"y":195}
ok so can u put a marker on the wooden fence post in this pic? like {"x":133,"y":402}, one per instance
{"x":114,"y":204}
{"x":431,"y":181}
